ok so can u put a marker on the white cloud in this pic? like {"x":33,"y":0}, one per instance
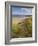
{"x":27,"y":9}
{"x":24,"y":11}
{"x":15,"y":13}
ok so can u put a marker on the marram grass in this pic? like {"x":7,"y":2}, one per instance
{"x":22,"y":29}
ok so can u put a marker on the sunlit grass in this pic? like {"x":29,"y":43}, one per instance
{"x":21,"y":27}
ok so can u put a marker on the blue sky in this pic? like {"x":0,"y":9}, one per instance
{"x":21,"y":11}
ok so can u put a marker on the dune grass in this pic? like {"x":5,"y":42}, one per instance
{"x":21,"y":28}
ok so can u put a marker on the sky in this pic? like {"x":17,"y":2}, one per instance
{"x":21,"y":11}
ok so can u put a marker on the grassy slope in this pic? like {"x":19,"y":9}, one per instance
{"x":21,"y":28}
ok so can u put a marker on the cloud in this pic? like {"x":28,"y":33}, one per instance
{"x":21,"y":11}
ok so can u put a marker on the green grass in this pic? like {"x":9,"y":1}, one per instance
{"x":22,"y":29}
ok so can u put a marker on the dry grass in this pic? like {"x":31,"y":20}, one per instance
{"x":21,"y":28}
